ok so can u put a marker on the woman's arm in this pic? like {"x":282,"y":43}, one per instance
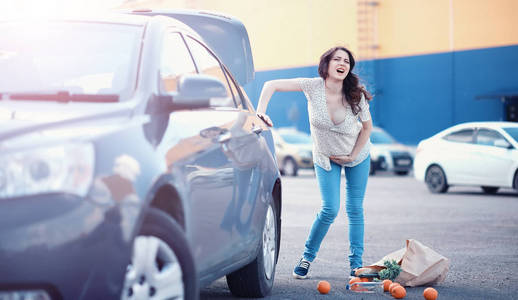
{"x":362,"y":139}
{"x":270,"y":87}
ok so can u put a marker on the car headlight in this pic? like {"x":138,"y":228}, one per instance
{"x":65,"y":168}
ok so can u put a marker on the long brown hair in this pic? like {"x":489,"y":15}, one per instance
{"x":351,"y":89}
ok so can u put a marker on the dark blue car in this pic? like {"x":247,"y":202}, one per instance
{"x":132,"y":163}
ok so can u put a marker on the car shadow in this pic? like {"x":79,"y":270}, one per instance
{"x":508,"y":194}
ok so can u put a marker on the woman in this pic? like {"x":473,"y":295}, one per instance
{"x":340,"y":125}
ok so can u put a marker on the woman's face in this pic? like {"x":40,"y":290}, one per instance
{"x":339,"y":65}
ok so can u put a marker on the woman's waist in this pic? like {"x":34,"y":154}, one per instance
{"x":338,"y":149}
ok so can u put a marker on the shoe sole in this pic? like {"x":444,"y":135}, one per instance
{"x":297,"y":276}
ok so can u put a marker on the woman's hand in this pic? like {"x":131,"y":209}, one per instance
{"x":341,"y":159}
{"x":265,"y":118}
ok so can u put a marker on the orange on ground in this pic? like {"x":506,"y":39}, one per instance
{"x":323,"y":287}
{"x":386,"y":284}
{"x":398,"y":292}
{"x":354,"y":279}
{"x":393,"y":285}
{"x":430,"y":293}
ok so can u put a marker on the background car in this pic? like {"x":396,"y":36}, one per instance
{"x":293,"y":149}
{"x":132,"y":163}
{"x":389,"y":155}
{"x":483,"y":154}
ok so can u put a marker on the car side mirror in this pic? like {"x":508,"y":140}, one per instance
{"x":194,"y":91}
{"x":502,"y":144}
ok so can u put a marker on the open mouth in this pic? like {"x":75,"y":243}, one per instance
{"x":340,"y":70}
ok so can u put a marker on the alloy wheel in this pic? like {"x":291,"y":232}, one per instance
{"x":154,"y":272}
{"x":269,"y":243}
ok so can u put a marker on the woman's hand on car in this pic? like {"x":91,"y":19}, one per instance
{"x":265,"y":118}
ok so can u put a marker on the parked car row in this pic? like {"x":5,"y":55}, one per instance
{"x":481,"y":154}
{"x":132,"y":163}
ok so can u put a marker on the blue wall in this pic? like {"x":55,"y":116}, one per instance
{"x":414,"y":97}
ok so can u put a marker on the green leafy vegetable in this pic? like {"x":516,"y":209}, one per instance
{"x":392,"y":270}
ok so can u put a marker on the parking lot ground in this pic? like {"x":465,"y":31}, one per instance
{"x":477,"y":232}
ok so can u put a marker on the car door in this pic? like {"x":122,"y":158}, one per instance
{"x":226,"y":213}
{"x":491,"y":164}
{"x":192,"y":146}
{"x":456,"y":156}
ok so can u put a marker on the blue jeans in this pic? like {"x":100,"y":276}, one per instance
{"x":329,"y":183}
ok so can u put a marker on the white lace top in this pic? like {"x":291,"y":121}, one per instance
{"x":328,"y":138}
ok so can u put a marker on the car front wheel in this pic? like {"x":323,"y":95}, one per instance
{"x":162,"y":266}
{"x":256,"y":279}
{"x":290,"y":167}
{"x":436,"y":180}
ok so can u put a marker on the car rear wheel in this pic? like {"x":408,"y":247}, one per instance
{"x":256,"y":279}
{"x":162,"y":266}
{"x":490,"y":189}
{"x":515,"y":181}
{"x":290,"y":167}
{"x":436,"y":180}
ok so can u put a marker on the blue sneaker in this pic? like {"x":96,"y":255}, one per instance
{"x":301,"y":269}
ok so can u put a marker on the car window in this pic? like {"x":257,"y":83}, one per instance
{"x":208,"y":64}
{"x":41,"y":57}
{"x":234,"y":90}
{"x":175,"y":61}
{"x":461,"y":136}
{"x":488,"y":137}
{"x":296,"y":138}
{"x":513,"y":132}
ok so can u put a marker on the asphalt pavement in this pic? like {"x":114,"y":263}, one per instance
{"x":477,"y":232}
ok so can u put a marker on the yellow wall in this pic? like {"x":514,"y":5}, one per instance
{"x":409,"y":27}
{"x":286,"y":33}
{"x":485,"y":23}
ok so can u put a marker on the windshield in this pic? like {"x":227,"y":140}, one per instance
{"x":513,"y":132}
{"x":380,"y":137}
{"x":72,"y":57}
{"x":296,"y":138}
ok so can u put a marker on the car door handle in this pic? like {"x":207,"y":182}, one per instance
{"x":224,"y":137}
{"x":257,"y":130}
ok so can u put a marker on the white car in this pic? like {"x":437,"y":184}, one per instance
{"x":389,"y":155}
{"x":481,"y":154}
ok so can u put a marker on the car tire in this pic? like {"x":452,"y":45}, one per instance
{"x":255,"y":280}
{"x":490,"y":189}
{"x":401,"y":173}
{"x":515,"y":181}
{"x":172,"y":273}
{"x":436,"y":180}
{"x":289,"y":166}
{"x":372,"y":169}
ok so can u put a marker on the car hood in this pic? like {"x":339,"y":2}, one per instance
{"x":18,"y":120}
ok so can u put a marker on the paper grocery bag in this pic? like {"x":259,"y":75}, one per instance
{"x":420,"y":265}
